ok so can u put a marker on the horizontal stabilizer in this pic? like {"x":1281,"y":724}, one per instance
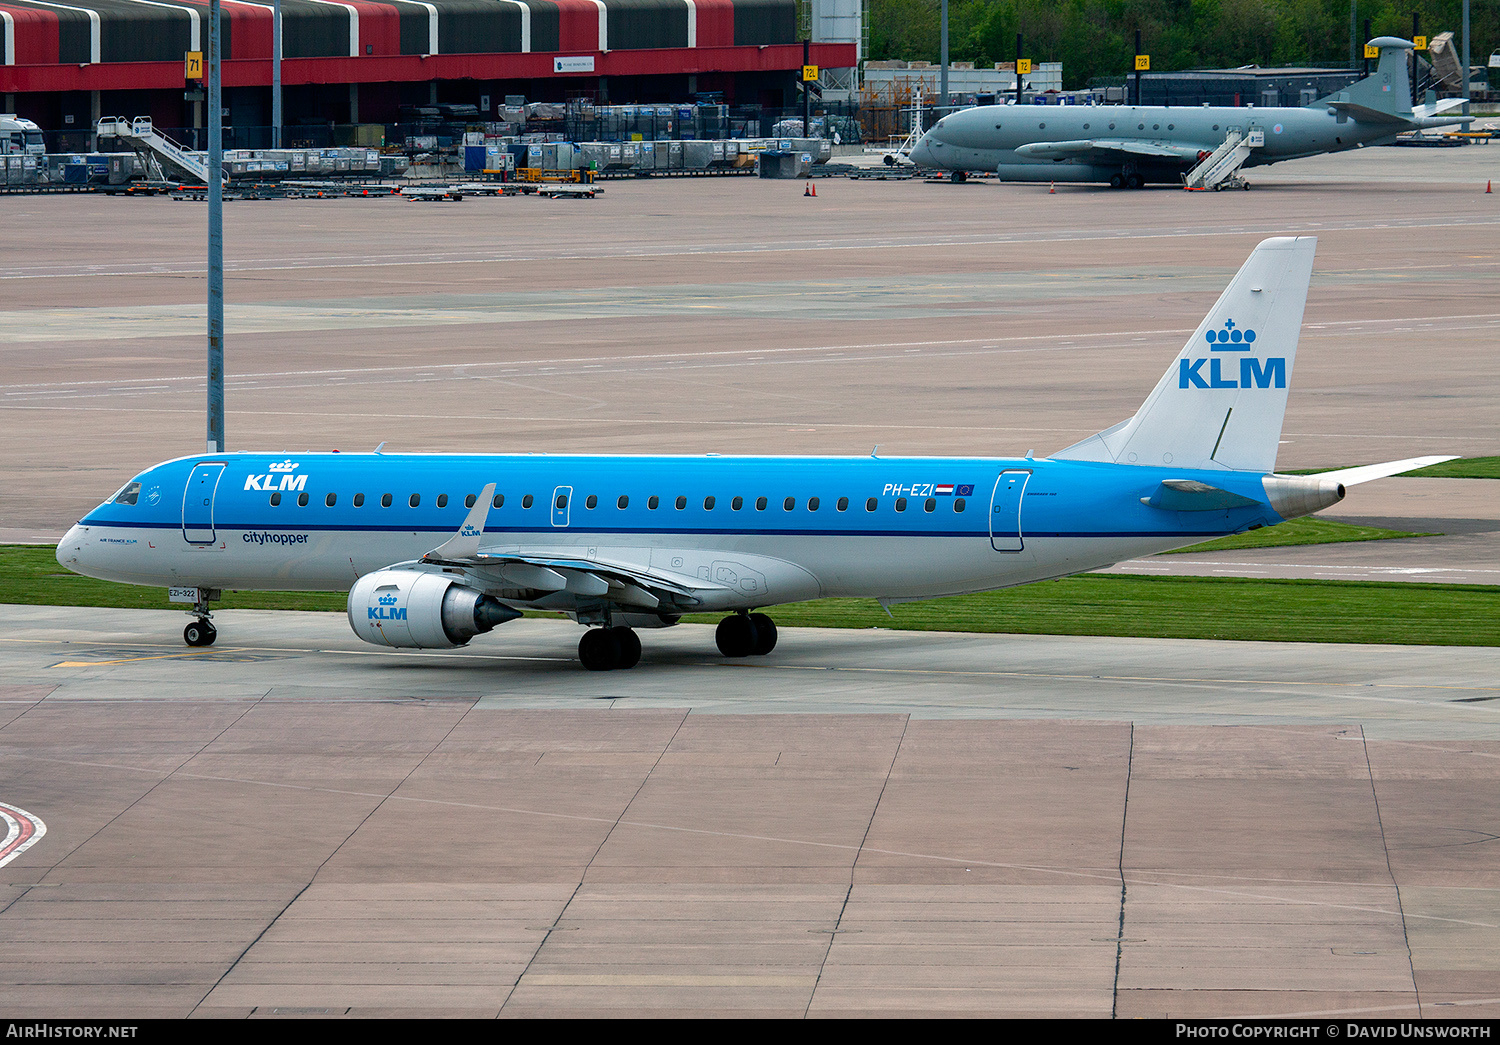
{"x":1189,"y":495}
{"x":1365,"y":114}
{"x":1366,"y":472}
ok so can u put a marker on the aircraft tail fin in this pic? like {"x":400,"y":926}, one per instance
{"x":1387,"y":90}
{"x":1221,"y":403}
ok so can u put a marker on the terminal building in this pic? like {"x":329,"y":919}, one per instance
{"x":360,"y":61}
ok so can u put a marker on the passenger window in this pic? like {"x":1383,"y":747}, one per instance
{"x":900,"y":504}
{"x":499,"y":501}
{"x":623,"y":502}
{"x":526,"y":501}
{"x":359,"y":500}
{"x":385,"y":500}
{"x":959,"y":505}
{"x":130,"y":494}
{"x":812,"y":504}
{"x":760,"y":504}
{"x":788,"y":504}
{"x":442,"y":500}
{"x":930,"y":505}
{"x":653,"y":502}
{"x":708,"y":504}
{"x":737,"y":503}
{"x":469,"y":501}
{"x":302,"y":499}
{"x":843,"y":504}
{"x":414,"y":500}
{"x":275,"y":499}
{"x":331,"y":500}
{"x":681,"y":502}
{"x":562,"y":500}
{"x":592,"y":502}
{"x":872,"y":504}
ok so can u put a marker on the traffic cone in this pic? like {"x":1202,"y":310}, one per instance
{"x":807,"y":189}
{"x":814,"y":188}
{"x":1486,"y":186}
{"x":1052,"y":189}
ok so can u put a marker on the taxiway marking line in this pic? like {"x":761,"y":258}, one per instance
{"x":358,"y":261}
{"x":22,"y":831}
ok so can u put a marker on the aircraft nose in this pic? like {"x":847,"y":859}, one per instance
{"x":70,"y":549}
{"x":922,"y":153}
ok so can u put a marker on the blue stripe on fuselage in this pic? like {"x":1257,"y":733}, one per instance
{"x":1062,"y":498}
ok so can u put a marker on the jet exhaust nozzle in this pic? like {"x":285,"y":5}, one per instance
{"x":1297,"y":495}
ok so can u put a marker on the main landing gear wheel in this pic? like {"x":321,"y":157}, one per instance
{"x":1117,"y":181}
{"x":765,"y":634}
{"x":959,"y":177}
{"x":630,"y":647}
{"x":199,"y":633}
{"x":1134,"y":182}
{"x":604,"y":649}
{"x":746,"y":635}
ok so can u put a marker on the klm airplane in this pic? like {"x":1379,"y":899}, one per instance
{"x":1128,"y":146}
{"x":437,"y":549}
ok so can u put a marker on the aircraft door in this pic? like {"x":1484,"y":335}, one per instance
{"x":198,"y":502}
{"x":1005,"y":511}
{"x":562,"y":505}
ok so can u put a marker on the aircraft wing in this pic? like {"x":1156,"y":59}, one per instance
{"x":563,"y":579}
{"x":1110,"y":146}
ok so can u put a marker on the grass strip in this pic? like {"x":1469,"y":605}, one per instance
{"x":1307,"y":530}
{"x":1240,"y":608}
{"x":1091,"y":604}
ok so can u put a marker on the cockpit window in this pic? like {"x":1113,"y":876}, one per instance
{"x":129,"y":495}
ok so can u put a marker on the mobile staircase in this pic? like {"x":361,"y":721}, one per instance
{"x":157,"y":149}
{"x":1220,"y":168}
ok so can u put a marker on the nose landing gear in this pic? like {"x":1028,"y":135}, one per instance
{"x":201,"y":632}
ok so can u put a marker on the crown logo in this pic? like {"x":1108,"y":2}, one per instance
{"x":388,"y":600}
{"x":1230,"y":335}
{"x":284,"y":466}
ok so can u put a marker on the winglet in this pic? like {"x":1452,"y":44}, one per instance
{"x":465,"y":543}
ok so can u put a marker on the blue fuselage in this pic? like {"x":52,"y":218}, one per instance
{"x":884,"y":527}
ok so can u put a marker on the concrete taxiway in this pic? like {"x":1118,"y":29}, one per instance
{"x":863,"y":823}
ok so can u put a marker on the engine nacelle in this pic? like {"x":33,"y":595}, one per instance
{"x":1296,"y":495}
{"x":416,"y":610}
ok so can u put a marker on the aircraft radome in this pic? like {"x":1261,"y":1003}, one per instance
{"x":438,"y":549}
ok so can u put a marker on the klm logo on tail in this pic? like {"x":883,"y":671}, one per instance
{"x":1253,"y":373}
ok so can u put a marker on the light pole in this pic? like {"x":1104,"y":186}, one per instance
{"x":215,"y":238}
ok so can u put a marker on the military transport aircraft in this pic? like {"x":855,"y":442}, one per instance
{"x":1204,"y":146}
{"x":437,"y":549}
